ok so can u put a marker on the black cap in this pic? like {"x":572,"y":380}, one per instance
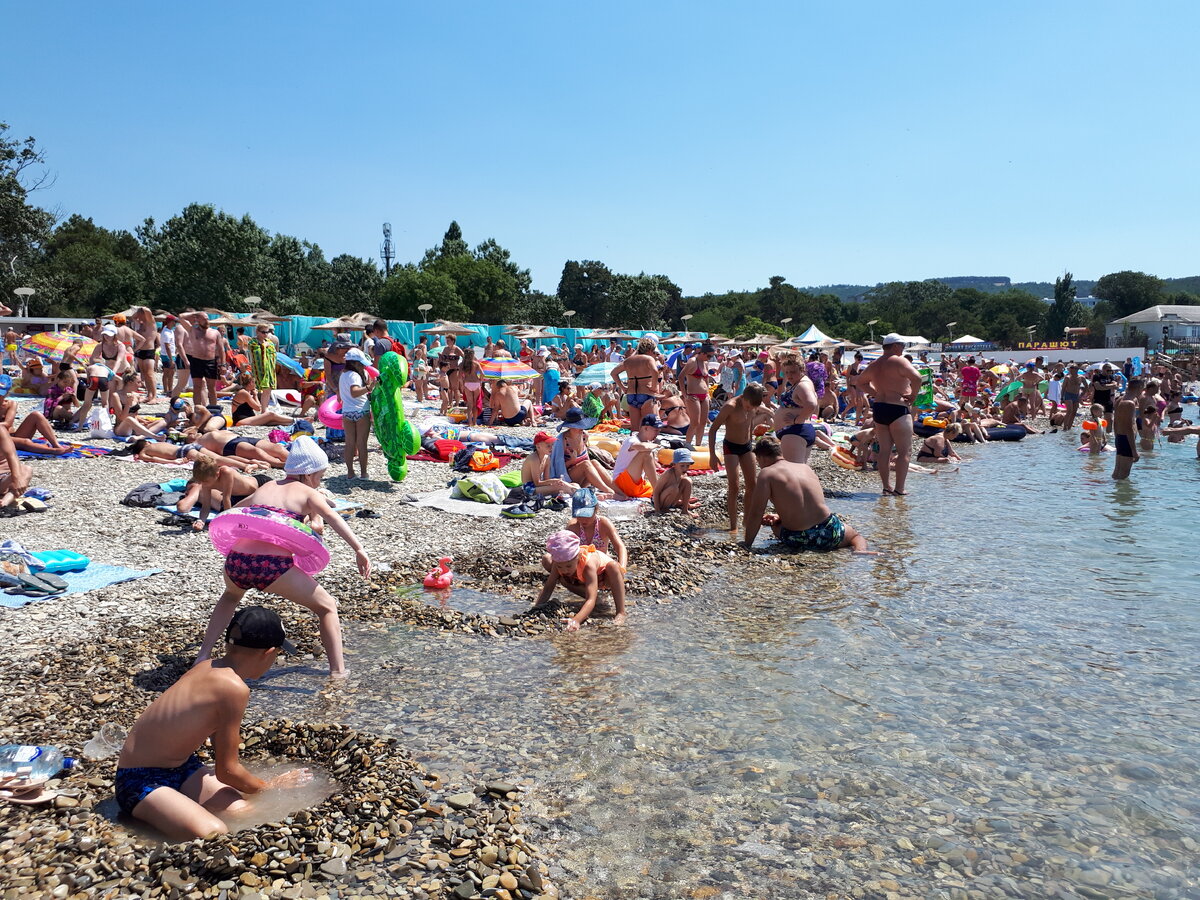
{"x":258,"y":628}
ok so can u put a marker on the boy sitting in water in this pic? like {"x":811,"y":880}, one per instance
{"x":160,"y":779}
{"x":584,"y":571}
{"x":674,"y":488}
{"x":1096,"y":439}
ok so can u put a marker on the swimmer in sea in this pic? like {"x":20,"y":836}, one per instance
{"x":584,"y":571}
{"x":1125,"y":429}
{"x":160,"y":780}
{"x":802,"y":520}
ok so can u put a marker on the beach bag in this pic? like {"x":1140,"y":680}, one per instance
{"x":484,"y":487}
{"x":100,"y":423}
{"x":483,"y":461}
{"x":447,"y":449}
{"x":462,"y":459}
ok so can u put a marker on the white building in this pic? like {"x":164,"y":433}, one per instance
{"x":1180,"y":324}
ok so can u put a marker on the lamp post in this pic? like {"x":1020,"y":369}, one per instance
{"x":785,"y":322}
{"x":950,"y":328}
{"x":871,"y":324}
{"x":424,"y":308}
{"x":685,"y":319}
{"x":23,"y":295}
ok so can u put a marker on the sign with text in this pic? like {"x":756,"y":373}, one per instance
{"x":1048,"y":345}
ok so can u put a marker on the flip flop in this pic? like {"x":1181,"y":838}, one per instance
{"x":53,"y":580}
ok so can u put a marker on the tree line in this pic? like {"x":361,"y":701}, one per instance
{"x":204,"y":257}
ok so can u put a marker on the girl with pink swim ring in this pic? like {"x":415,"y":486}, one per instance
{"x":284,"y":557}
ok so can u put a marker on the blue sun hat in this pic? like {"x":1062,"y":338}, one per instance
{"x":6,"y":384}
{"x":575,"y":418}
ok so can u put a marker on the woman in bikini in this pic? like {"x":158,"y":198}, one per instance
{"x":581,"y":468}
{"x":420,"y":371}
{"x":270,"y":568}
{"x":641,"y":386}
{"x":936,"y":447}
{"x":145,"y":351}
{"x":694,"y":382}
{"x":674,"y":413}
{"x":793,"y":415}
{"x":105,"y":366}
{"x":450,"y":384}
{"x":472,"y":384}
{"x":247,"y":409}
{"x":231,"y":444}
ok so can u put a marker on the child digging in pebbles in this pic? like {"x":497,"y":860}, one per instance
{"x":160,"y":779}
{"x":584,"y":571}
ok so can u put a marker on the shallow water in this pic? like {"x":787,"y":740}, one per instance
{"x":1001,"y":702}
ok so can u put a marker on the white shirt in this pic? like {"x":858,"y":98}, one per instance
{"x":625,"y":455}
{"x":167,"y":336}
{"x":350,"y":403}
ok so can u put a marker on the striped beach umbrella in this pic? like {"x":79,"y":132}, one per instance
{"x":597,"y":372}
{"x":509,"y":369}
{"x":54,"y":344}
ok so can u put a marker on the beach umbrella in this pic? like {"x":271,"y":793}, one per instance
{"x":682,"y":337}
{"x":1010,"y":389}
{"x":288,"y":363}
{"x":759,"y":340}
{"x":54,"y":344}
{"x":509,"y":369}
{"x":601,"y":372}
{"x":444,"y":327}
{"x":345,"y":323}
{"x":615,"y":336}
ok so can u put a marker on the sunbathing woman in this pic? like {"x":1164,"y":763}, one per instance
{"x":674,"y":413}
{"x":163,"y":452}
{"x":268,"y":567}
{"x":128,"y":424}
{"x":34,"y":423}
{"x":217,"y":487}
{"x":582,"y":469}
{"x":937,"y":446}
{"x":231,"y":444}
{"x":247,"y":408}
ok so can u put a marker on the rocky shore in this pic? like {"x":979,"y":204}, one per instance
{"x":393,"y":829}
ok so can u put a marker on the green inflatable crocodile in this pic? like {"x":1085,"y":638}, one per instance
{"x":397,"y":436}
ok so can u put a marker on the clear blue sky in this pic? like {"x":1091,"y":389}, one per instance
{"x":719,"y":144}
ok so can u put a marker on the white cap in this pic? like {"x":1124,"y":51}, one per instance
{"x":356,"y":355}
{"x":892,"y":338}
{"x":110,"y":330}
{"x":306,"y":457}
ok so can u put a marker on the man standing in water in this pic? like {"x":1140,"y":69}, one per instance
{"x":738,"y":416}
{"x":1125,"y":429}
{"x":1071,"y":390}
{"x":893,"y":383}
{"x":160,"y":779}
{"x":802,"y":520}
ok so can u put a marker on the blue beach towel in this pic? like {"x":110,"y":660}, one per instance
{"x":94,"y":577}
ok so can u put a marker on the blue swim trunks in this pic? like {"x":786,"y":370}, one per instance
{"x":822,"y":537}
{"x":134,"y":785}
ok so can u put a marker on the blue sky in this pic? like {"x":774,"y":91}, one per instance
{"x":719,"y":144}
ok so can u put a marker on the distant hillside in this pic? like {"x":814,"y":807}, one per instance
{"x":994,"y":284}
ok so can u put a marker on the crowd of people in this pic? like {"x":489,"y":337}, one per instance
{"x":756,"y":415}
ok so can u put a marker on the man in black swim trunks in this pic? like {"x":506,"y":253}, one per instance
{"x":1125,"y":429}
{"x":892,"y":383}
{"x":205,"y":348}
{"x":738,"y":416}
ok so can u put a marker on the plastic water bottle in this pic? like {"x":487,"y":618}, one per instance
{"x":33,"y":762}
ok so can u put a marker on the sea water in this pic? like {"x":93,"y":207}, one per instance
{"x":1003,"y":701}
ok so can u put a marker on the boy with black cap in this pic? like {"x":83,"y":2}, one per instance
{"x":160,"y":780}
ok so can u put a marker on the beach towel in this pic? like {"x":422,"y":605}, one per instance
{"x":443,"y":501}
{"x":79,"y":451}
{"x":94,"y":577}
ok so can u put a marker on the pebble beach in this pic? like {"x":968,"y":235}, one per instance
{"x":393,"y":828}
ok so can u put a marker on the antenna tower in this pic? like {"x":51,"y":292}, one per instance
{"x":387,"y":250}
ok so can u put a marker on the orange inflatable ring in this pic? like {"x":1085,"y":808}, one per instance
{"x":844,"y":458}
{"x":1089,"y":425}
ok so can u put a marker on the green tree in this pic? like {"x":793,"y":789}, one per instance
{"x":89,"y":270}
{"x":538,"y":308}
{"x":452,"y":245}
{"x":899,"y":300}
{"x":23,"y":226}
{"x":355,"y":283}
{"x":1129,"y":292}
{"x":754,"y":325}
{"x":1065,"y":312}
{"x":490,"y":251}
{"x":584,"y":287}
{"x":636,"y":301}
{"x":408,"y":287}
{"x":203,"y":257}
{"x":489,"y":292}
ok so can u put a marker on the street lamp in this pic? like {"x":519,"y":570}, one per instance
{"x":23,"y":295}
{"x":567,"y":313}
{"x":685,"y":320}
{"x":871,"y":325}
{"x":425,"y":308}
{"x":950,"y":328}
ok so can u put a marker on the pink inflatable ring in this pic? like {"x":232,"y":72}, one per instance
{"x":330,"y":412}
{"x":258,"y":523}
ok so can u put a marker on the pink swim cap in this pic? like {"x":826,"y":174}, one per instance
{"x":563,"y":546}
